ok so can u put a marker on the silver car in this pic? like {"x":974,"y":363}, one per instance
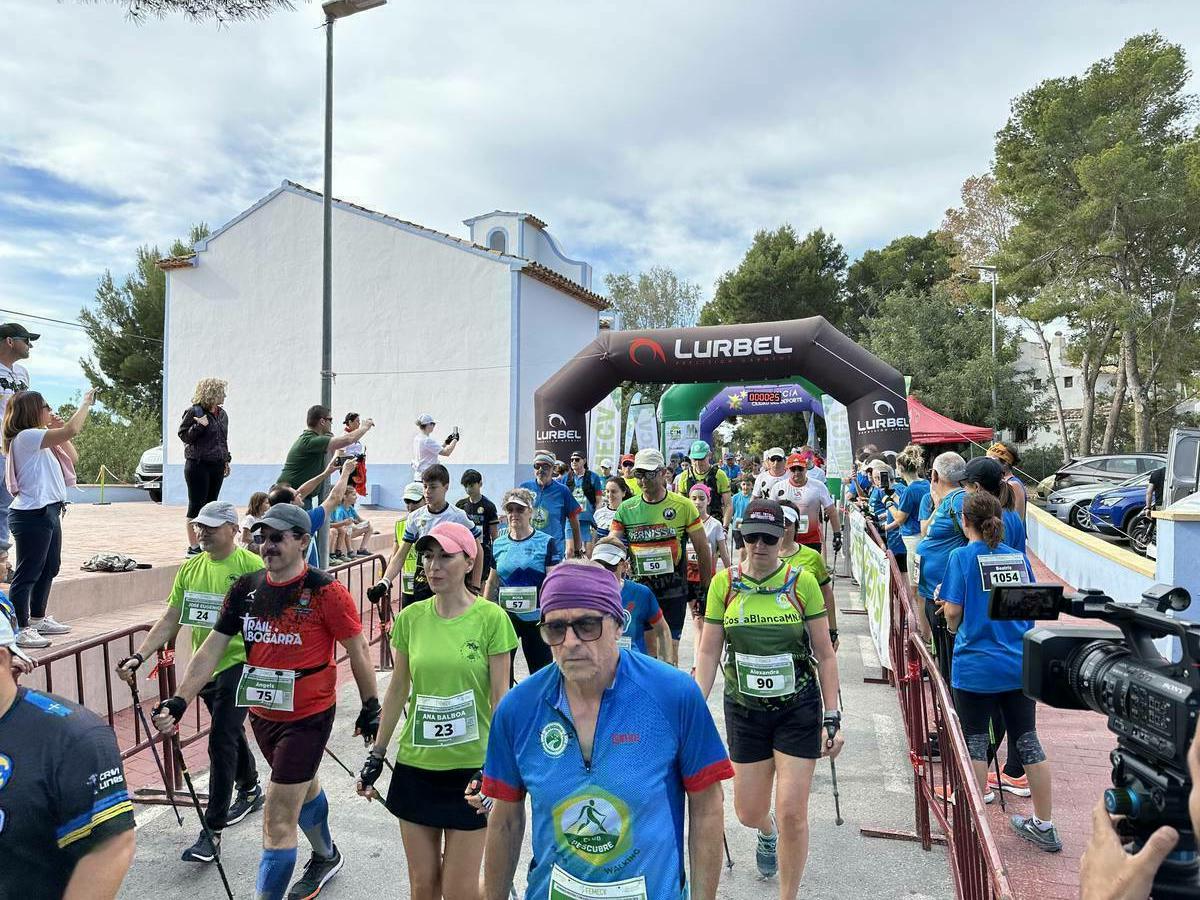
{"x":1107,"y":470}
{"x":148,"y":474}
{"x":1070,"y":504}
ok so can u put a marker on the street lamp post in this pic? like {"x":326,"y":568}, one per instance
{"x":334,"y":10}
{"x":988,"y":273}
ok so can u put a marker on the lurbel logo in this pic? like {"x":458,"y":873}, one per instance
{"x":655,"y":348}
{"x":884,"y":423}
{"x":730,"y":348}
{"x":883,"y":408}
{"x":562,"y":423}
{"x":557,"y":430}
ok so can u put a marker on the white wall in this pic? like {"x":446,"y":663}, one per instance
{"x":406,"y":309}
{"x":1084,"y":560}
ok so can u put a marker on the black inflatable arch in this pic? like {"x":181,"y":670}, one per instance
{"x":872,"y":391}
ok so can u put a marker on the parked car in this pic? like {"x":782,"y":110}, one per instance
{"x":1112,"y":511}
{"x":1070,"y":504}
{"x":148,"y":474}
{"x":1107,"y":470}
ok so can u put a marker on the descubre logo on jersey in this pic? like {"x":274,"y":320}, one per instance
{"x":554,"y":739}
{"x":6,"y":770}
{"x":541,"y":518}
{"x":594,"y":825}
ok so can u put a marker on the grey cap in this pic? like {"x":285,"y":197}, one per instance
{"x":414,"y":491}
{"x":283,"y":517}
{"x":218,"y":512}
{"x":425,"y":419}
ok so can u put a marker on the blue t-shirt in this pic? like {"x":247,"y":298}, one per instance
{"x":621,"y":816}
{"x":579,"y":492}
{"x":342,"y":513}
{"x":525,"y":564}
{"x":987,"y":652}
{"x":732,"y":471}
{"x":641,"y":604}
{"x":894,"y":542}
{"x":860,"y":485}
{"x":910,"y":505}
{"x":926,"y":506}
{"x":1014,"y":530}
{"x":552,"y":506}
{"x":740,"y":502}
{"x":316,"y":518}
{"x":944,"y":535}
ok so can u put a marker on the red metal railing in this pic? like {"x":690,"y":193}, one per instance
{"x":942,"y":767}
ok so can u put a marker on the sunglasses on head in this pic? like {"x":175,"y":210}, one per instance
{"x":274,"y":537}
{"x":769,"y":539}
{"x":586,"y":628}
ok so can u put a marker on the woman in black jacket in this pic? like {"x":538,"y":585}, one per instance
{"x":205,"y":435}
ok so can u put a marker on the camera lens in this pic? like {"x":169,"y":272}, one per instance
{"x":1093,"y":675}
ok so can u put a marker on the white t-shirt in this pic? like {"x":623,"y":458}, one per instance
{"x":355,"y":449}
{"x":248,"y":522}
{"x":603,"y":518}
{"x":12,"y":379}
{"x":765,"y":481}
{"x":39,"y":474}
{"x":715,"y":532}
{"x":810,"y":498}
{"x":425,"y":454}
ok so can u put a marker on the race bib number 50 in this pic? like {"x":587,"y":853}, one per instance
{"x":653,"y":560}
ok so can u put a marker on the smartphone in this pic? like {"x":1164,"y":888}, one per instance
{"x":885,"y":481}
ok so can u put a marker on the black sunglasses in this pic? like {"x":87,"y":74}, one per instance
{"x":275,"y":537}
{"x":586,"y":628}
{"x":769,"y":539}
{"x":539,"y":467}
{"x":643,"y":474}
{"x":775,"y":458}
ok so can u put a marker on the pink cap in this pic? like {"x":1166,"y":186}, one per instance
{"x":451,"y":537}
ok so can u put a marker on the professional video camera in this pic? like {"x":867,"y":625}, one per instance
{"x":1151,"y":702}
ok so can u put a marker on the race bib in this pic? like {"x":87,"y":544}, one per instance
{"x":693,"y":564}
{"x":653,"y":560}
{"x":444,"y":721}
{"x":625,"y":642}
{"x":765,"y":676}
{"x":802,"y":524}
{"x":564,"y":886}
{"x":408,"y":581}
{"x":519,"y":599}
{"x":268,"y":688}
{"x":200,"y":609}
{"x":916,"y":568}
{"x":1002,"y":569}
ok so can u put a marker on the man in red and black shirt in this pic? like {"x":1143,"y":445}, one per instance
{"x":290,"y":617}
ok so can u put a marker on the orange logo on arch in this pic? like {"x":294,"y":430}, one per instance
{"x":656,"y":350}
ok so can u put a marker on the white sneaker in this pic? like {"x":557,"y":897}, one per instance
{"x":50,"y":625}
{"x":29,"y":639}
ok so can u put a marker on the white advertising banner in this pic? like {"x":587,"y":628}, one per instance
{"x":680,"y":435}
{"x":839,"y":457}
{"x":631,"y":420}
{"x":645,"y":425}
{"x":869,"y":565}
{"x":606,"y":430}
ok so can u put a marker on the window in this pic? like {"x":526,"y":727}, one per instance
{"x":1068,"y":381}
{"x":498,"y":240}
{"x":1149,"y":463}
{"x":1122,"y":465}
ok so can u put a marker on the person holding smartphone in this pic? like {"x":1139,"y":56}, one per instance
{"x":204,"y":431}
{"x":426,"y":448}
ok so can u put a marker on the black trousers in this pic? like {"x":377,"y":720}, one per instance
{"x":537,"y":652}
{"x":230,"y":759}
{"x":943,"y":641}
{"x":37,"y":534}
{"x":203,"y":481}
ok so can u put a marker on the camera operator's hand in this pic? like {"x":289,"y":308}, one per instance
{"x":1107,"y":872}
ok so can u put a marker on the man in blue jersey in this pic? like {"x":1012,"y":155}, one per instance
{"x":554,"y":505}
{"x":645,"y":615}
{"x":607,"y":790}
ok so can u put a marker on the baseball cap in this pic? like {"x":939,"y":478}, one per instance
{"x":284,"y":517}
{"x":451,"y":537}
{"x":544,"y":456}
{"x":578,"y":455}
{"x":627,"y":458}
{"x":774,"y":451}
{"x":613,"y":554}
{"x":16,"y":330}
{"x":8,"y":640}
{"x":414,"y":490}
{"x":606,"y":463}
{"x":517,"y":496}
{"x":218,"y":512}
{"x":763,"y":517}
{"x":796,"y":459}
{"x":699,"y":450}
{"x":648,"y":459}
{"x":985,"y":472}
{"x":425,"y":419}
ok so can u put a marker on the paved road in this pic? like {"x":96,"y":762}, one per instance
{"x":874,"y":780}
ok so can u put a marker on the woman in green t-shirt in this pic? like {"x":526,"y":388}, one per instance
{"x":769,"y":619}
{"x":452,"y":667}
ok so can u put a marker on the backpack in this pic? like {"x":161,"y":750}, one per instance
{"x":710,"y":479}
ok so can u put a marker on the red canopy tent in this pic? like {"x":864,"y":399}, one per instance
{"x":929,"y":427}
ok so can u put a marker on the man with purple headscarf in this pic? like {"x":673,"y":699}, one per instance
{"x":607,"y":743}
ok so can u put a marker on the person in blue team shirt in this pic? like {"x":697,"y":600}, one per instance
{"x":554,"y":505}
{"x":731,"y":469}
{"x":906,"y":513}
{"x":644,"y":613}
{"x":607,"y":743}
{"x":588,"y":490}
{"x":943,"y":534}
{"x":988,"y":656}
{"x":523,"y":559}
{"x":986,"y":473}
{"x":884,"y":497}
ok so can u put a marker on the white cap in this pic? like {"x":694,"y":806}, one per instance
{"x":606,"y":463}
{"x":648,"y":460}
{"x":414,"y":490}
{"x":775,"y":451}
{"x":613,"y":554}
{"x":8,"y":639}
{"x":425,"y":419}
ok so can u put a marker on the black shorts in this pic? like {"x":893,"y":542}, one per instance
{"x":754,"y":734}
{"x":432,"y":798}
{"x":293,"y":749}
{"x":674,"y":608}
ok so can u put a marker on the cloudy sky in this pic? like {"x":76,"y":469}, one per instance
{"x":645,"y":133}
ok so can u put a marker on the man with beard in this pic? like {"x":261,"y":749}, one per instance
{"x":290,"y":617}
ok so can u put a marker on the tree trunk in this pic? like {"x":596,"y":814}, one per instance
{"x":1091,"y":362}
{"x":1114,"y":411}
{"x":1058,"y":407}
{"x":1137,"y":390}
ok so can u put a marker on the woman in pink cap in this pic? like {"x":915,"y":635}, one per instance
{"x":452,"y":668}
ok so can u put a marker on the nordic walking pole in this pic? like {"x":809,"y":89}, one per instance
{"x":837,"y":805}
{"x":345,"y":767}
{"x":187,"y":779}
{"x":151,"y":734}
{"x":728,"y":858}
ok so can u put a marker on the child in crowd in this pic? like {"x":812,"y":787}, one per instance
{"x":347,"y":527}
{"x":255,"y":510}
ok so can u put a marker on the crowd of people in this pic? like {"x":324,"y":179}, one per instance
{"x":594,"y":577}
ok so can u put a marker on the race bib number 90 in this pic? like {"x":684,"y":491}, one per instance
{"x":765,"y":676}
{"x":1002,"y":570}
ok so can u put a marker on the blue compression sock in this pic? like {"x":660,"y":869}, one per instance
{"x":274,"y":872}
{"x":314,"y":822}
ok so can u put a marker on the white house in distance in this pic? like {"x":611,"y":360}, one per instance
{"x":1032,"y":360}
{"x":465,"y":329}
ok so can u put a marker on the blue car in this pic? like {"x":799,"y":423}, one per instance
{"x":1112,"y":511}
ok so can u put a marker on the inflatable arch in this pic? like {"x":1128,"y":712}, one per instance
{"x":757,"y":400}
{"x":872,"y":391}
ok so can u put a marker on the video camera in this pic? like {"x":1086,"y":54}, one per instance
{"x":1151,"y":701}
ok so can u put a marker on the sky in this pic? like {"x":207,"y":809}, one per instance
{"x":662,"y":133}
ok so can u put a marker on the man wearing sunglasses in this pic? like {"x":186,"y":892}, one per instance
{"x":775,"y":471}
{"x":290,"y":617}
{"x":655,"y":526}
{"x":306,"y":457}
{"x":811,"y":498}
{"x":554,"y":505}
{"x":195,"y":601}
{"x":608,"y":742}
{"x":627,"y":474}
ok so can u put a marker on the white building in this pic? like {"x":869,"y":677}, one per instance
{"x":1071,"y":388}
{"x":465,"y":329}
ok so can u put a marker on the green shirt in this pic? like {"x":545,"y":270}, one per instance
{"x":768,"y":657}
{"x":201,"y":584}
{"x":656,"y":532}
{"x":449,"y":710}
{"x":811,"y":561}
{"x":306,"y":459}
